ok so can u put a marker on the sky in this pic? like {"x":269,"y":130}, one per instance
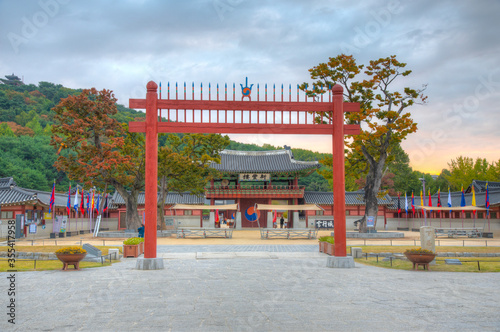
{"x":451,"y":46}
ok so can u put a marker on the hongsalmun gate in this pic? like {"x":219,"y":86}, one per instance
{"x":256,"y":189}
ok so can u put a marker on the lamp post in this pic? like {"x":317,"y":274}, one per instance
{"x":423,"y":199}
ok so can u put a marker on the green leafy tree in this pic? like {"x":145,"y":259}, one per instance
{"x":5,"y":130}
{"x":184,"y":165}
{"x":405,"y":179}
{"x":384,"y":117}
{"x":464,"y":169}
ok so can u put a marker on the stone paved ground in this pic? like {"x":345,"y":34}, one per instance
{"x":256,"y":291}
{"x":239,"y":248}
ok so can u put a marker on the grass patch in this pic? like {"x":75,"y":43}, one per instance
{"x":29,"y":265}
{"x":52,"y":249}
{"x":487,"y":264}
{"x":401,"y":249}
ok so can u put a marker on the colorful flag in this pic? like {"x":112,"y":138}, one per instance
{"x":82,"y":204}
{"x":75,"y":203}
{"x":406,"y":204}
{"x":105,"y":208}
{"x":275,"y":216}
{"x":412,"y":203}
{"x":487,"y":200}
{"x":97,"y":204}
{"x":88,"y":203}
{"x":52,"y":196}
{"x":399,"y":205}
{"x":217,"y":216}
{"x":462,"y":202}
{"x":430,"y":200}
{"x":449,"y":198}
{"x":473,"y":198}
{"x":93,"y":202}
{"x":439,"y":198}
{"x":68,"y":204}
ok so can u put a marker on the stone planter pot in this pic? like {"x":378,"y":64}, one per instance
{"x":71,"y":259}
{"x":131,"y":250}
{"x":420,"y":259}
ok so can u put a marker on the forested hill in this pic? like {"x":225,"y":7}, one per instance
{"x":25,"y":128}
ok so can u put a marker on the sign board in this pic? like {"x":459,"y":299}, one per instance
{"x":370,"y":221}
{"x":323,"y":223}
{"x":56,"y":226}
{"x":47,"y":216}
{"x":63,"y":224}
{"x":254,"y":177}
{"x":33,"y":228}
{"x":169,"y":221}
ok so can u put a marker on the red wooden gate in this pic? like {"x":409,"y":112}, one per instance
{"x":243,"y":117}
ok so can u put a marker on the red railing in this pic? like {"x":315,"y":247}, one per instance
{"x":255,"y":191}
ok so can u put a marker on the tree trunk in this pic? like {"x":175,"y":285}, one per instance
{"x":372,"y":187}
{"x":161,"y":203}
{"x":133,"y":221}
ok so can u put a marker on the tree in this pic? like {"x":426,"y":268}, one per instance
{"x":405,"y":179}
{"x":384,"y":119}
{"x":184,"y":165}
{"x":96,"y":149}
{"x":464,"y":169}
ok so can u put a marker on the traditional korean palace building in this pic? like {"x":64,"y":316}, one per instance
{"x":259,"y":177}
{"x":456,"y":201}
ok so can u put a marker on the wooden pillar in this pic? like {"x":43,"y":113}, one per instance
{"x":338,"y":172}
{"x":151,"y":194}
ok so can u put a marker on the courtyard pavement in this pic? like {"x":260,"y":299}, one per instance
{"x":271,"y":288}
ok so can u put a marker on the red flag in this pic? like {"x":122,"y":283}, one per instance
{"x":412,"y":203}
{"x":52,"y":196}
{"x":82,"y":208}
{"x":217,"y":216}
{"x":430,"y":200}
{"x":105,"y":208}
{"x":439,"y":198}
{"x":68,"y":205}
{"x":399,"y":205}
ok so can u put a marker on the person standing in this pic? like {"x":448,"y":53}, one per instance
{"x":282,"y":222}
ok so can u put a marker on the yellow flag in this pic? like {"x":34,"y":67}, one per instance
{"x":421,"y":199}
{"x":473,"y":197}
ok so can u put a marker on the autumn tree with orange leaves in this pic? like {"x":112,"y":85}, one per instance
{"x":384,"y":117}
{"x":99,"y":151}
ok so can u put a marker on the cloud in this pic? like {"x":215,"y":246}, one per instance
{"x":449,"y":45}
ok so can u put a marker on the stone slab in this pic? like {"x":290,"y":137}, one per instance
{"x":377,"y":235}
{"x":149,"y":264}
{"x":356,"y":252}
{"x":340,"y":262}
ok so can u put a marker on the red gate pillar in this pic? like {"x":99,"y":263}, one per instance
{"x":151,"y":194}
{"x":338,"y":172}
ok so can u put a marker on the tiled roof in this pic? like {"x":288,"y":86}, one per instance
{"x":6,"y":182}
{"x":456,"y":198}
{"x":261,"y":162}
{"x":18,"y":195}
{"x":351,"y":198}
{"x":172,"y":198}
{"x":480,"y":186}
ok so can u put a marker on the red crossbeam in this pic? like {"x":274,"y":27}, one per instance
{"x":215,"y":105}
{"x":243,"y":128}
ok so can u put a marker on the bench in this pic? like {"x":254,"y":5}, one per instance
{"x":205,"y":232}
{"x":288,"y":233}
{"x":455,"y":232}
